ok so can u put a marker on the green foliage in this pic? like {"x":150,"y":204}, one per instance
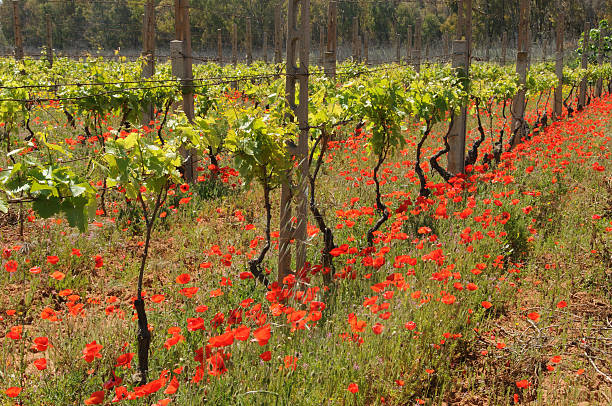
{"x":51,"y":187}
{"x":258,"y":143}
{"x":140,"y":166}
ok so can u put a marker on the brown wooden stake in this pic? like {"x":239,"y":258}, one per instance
{"x":461,"y":61}
{"x":456,"y":135}
{"x":234,"y":44}
{"x":560,"y":27}
{"x":278,"y":35}
{"x":249,"y":42}
{"x":219,"y":47}
{"x":322,"y":45}
{"x":409,"y":46}
{"x":49,"y":49}
{"x":366,"y":51}
{"x":468,"y":27}
{"x":298,"y":33}
{"x":148,"y":52}
{"x":398,"y":56}
{"x":522,"y":56}
{"x":584,"y":65}
{"x":332,"y":40}
{"x":460,"y":28}
{"x":185,"y":73}
{"x":445,"y":47}
{"x":265,"y":47}
{"x":17,"y":31}
{"x":504,"y":47}
{"x":600,"y":60}
{"x":418,"y":44}
{"x":355,"y":38}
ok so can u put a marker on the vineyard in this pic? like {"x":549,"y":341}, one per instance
{"x":437,"y":232}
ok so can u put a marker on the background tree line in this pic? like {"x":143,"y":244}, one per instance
{"x":110,"y":24}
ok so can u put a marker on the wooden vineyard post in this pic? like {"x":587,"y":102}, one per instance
{"x":219,"y":47}
{"x":398,"y":42}
{"x":148,"y":52}
{"x":298,"y":34}
{"x":49,"y":39}
{"x":460,"y":28}
{"x":185,"y":73}
{"x":418,"y":44}
{"x":366,"y":51}
{"x":456,"y":136}
{"x":321,"y":45}
{"x":17,"y":31}
{"x":409,"y":46}
{"x":265,"y":47}
{"x":504,"y":47}
{"x":355,"y":39}
{"x":444,"y":47}
{"x":278,"y":36}
{"x":461,"y":62}
{"x":234,"y":44}
{"x":522,"y":57}
{"x":600,"y":60}
{"x":332,"y":41}
{"x":559,"y":63}
{"x":183,"y":33}
{"x":584,"y":65}
{"x":249,"y":42}
{"x":468,"y":26}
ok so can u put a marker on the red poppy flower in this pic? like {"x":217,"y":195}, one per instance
{"x":99,"y":261}
{"x":486,"y":305}
{"x":92,"y":351}
{"x":522,"y":384}
{"x":353,"y":388}
{"x":13,"y":392}
{"x":41,"y":364}
{"x":125,"y":360}
{"x":242,"y":333}
{"x":41,"y":343}
{"x":172,"y":386}
{"x":533,"y":316}
{"x":52,"y":259}
{"x":183,"y":278}
{"x":266,"y":356}
{"x":96,"y":398}
{"x":194,"y":324}
{"x":11,"y":266}
{"x":223,"y":340}
{"x":262,"y":334}
{"x":189,"y":292}
{"x":377,"y":328}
